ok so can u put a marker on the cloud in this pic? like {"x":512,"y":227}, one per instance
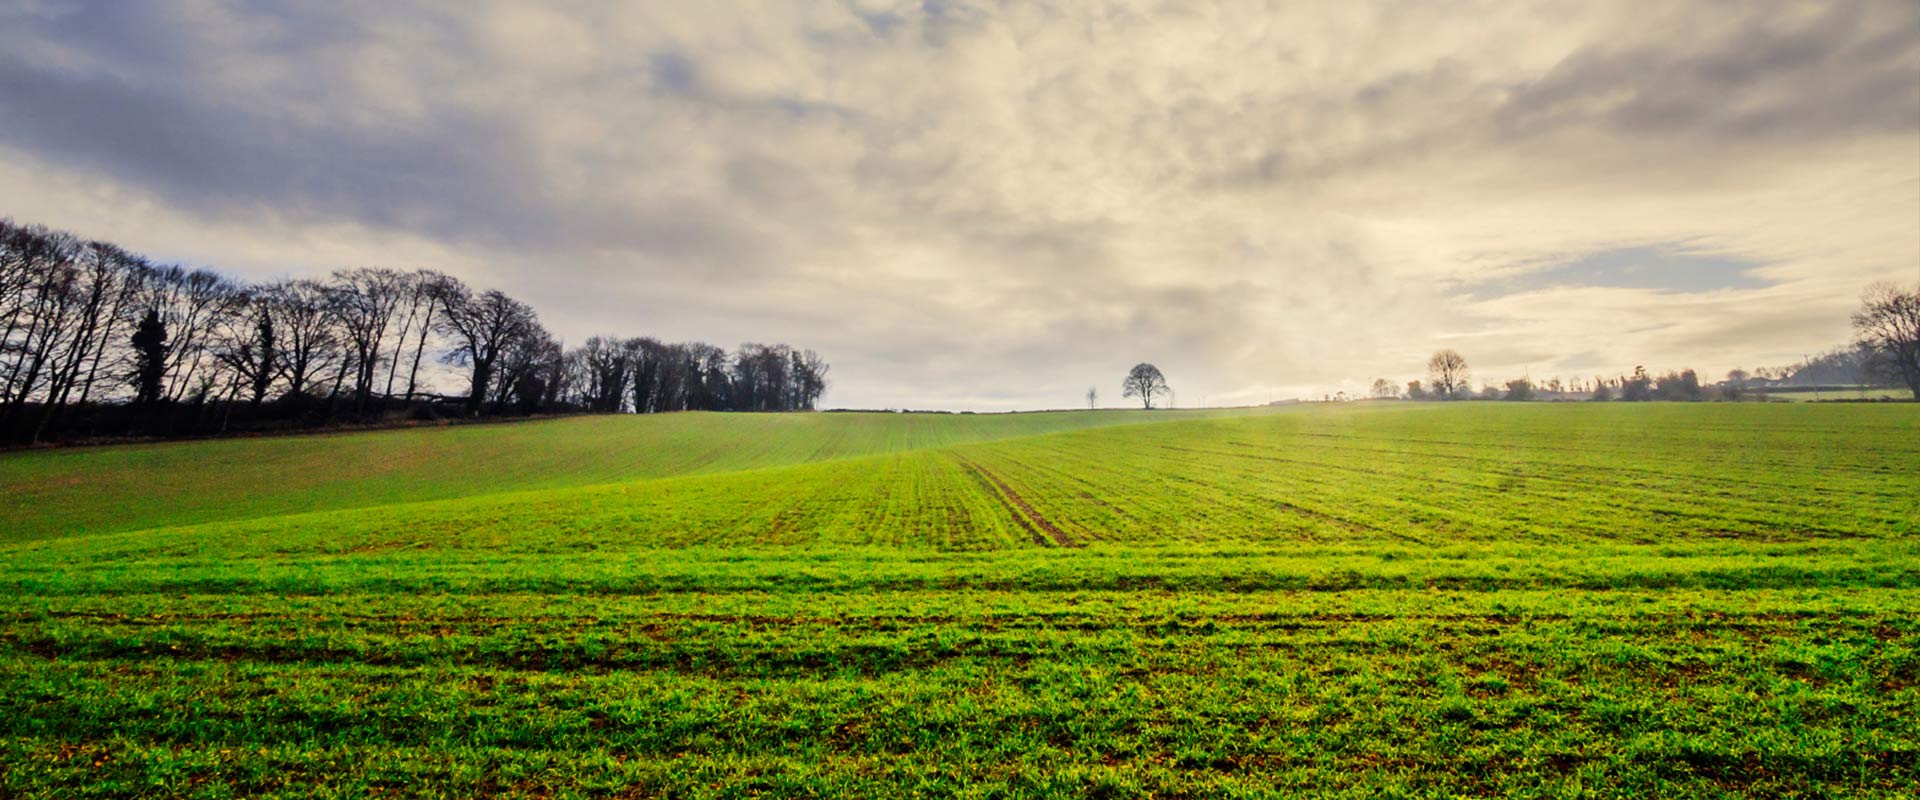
{"x":1669,"y":267}
{"x":992,"y":206}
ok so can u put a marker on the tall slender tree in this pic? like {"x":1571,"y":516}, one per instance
{"x":150,"y":359}
{"x":364,"y":301}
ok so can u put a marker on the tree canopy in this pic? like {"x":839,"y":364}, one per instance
{"x":1145,"y":382}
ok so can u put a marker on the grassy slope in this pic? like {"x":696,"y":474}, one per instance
{"x":1420,"y":476}
{"x":101,"y":489}
{"x":1558,"y":600}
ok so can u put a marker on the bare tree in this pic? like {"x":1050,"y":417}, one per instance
{"x":482,"y":328}
{"x":65,"y":313}
{"x":606,"y":368}
{"x":762,"y":377}
{"x":713,"y":368}
{"x":437,"y":288}
{"x":248,"y":346}
{"x":810,"y":379}
{"x":1887,"y":326}
{"x":1447,"y":373}
{"x":16,"y":274}
{"x":526,"y":369}
{"x":1145,"y":382}
{"x":1093,"y":398}
{"x":364,"y":301}
{"x":84,"y":318}
{"x":418,"y":295}
{"x":48,"y":305}
{"x":308,"y":338}
{"x":190,"y":304}
{"x":1384,"y":388}
{"x":111,"y":265}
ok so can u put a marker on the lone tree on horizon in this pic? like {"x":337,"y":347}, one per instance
{"x":1448,"y":373}
{"x":1093,"y":397}
{"x":1146,"y":383}
{"x":1888,"y":324}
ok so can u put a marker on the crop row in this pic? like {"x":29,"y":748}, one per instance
{"x":959,"y":693}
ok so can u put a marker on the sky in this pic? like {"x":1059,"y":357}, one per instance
{"x":995,"y":206}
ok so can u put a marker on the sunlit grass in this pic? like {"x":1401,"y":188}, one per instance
{"x":1568,"y":600}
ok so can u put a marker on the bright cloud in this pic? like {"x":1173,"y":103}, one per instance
{"x":996,"y":205}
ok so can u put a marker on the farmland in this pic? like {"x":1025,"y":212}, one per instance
{"x":1371,"y":600}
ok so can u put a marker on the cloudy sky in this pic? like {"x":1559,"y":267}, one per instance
{"x":996,"y":205}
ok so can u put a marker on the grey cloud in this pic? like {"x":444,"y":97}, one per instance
{"x":458,"y":173}
{"x":675,"y":72}
{"x":1668,"y":267}
{"x":199,"y":151}
{"x":1853,"y":68}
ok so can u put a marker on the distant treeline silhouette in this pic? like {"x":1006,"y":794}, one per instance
{"x":96,"y":342}
{"x":1885,"y":353}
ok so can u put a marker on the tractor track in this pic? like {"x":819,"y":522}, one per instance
{"x":1023,"y":512}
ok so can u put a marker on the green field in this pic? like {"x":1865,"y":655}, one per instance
{"x":1559,"y":600}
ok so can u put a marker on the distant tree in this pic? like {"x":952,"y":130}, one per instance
{"x":1735,"y":385}
{"x":1519,"y":390}
{"x":1384,"y":388}
{"x":86,"y":327}
{"x":248,"y":346}
{"x":132,"y":273}
{"x":1841,"y":366}
{"x":364,"y":302}
{"x":1682,"y":386}
{"x":710,"y":372}
{"x":1415,"y":391}
{"x":761,"y":376}
{"x":73,"y":297}
{"x":1887,"y":327}
{"x":605,"y":369}
{"x":1447,"y":372}
{"x":526,"y":371}
{"x":1555,"y":385}
{"x":482,"y":328}
{"x":1093,"y":397}
{"x":809,"y":376}
{"x":1637,"y":389}
{"x":307,"y":342}
{"x":150,"y":359}
{"x":1601,"y":392}
{"x":192,"y":305}
{"x":1145,"y":382}
{"x":49,"y":300}
{"x":420,"y":291}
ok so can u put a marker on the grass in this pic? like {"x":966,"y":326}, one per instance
{"x":1558,"y":600}
{"x":104,"y":489}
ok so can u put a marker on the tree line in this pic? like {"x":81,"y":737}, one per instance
{"x":1885,"y":352}
{"x":1449,"y":378}
{"x":99,"y":341}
